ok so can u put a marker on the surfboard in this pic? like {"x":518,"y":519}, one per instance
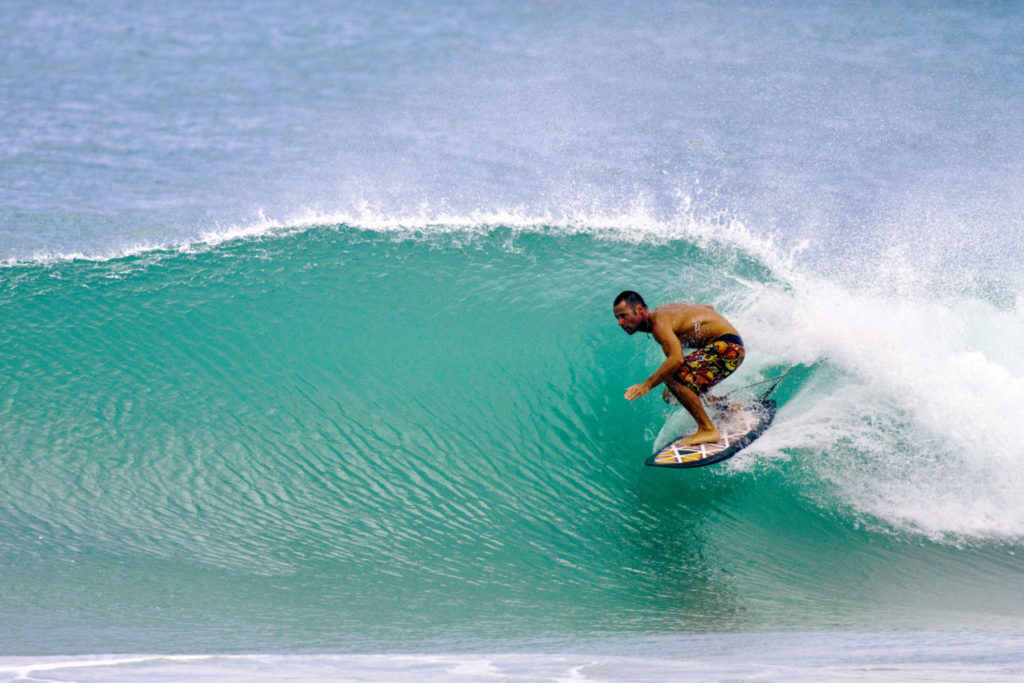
{"x":738,"y":428}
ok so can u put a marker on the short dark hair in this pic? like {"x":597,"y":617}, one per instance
{"x":631,"y":298}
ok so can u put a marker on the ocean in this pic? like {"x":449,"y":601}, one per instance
{"x":310,"y":370}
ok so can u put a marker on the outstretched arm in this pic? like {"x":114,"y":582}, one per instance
{"x":673,"y":349}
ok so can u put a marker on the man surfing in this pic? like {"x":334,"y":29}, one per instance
{"x":719,"y":351}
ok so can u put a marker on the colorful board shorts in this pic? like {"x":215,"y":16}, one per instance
{"x":706,"y":367}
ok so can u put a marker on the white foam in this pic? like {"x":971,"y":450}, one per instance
{"x":634,"y":220}
{"x":920,"y":427}
{"x":670,"y":657}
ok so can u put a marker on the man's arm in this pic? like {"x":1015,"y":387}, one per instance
{"x":665,"y":336}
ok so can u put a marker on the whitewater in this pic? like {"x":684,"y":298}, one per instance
{"x":310,"y":368}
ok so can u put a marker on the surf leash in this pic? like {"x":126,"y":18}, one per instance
{"x":778,"y":379}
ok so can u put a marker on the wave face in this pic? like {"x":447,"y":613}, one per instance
{"x":386,"y":432}
{"x":308,"y":344}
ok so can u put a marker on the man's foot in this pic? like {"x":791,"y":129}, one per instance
{"x":701,"y":436}
{"x":723,"y":403}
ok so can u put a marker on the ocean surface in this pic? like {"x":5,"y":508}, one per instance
{"x":309,"y":369}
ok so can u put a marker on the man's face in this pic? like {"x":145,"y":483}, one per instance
{"x":629,"y":317}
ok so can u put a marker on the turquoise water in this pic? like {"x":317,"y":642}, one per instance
{"x":343,"y":438}
{"x":309,"y":352}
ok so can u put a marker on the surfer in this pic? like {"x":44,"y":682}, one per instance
{"x":719,"y":351}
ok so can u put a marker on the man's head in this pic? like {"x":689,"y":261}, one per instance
{"x":630,"y":311}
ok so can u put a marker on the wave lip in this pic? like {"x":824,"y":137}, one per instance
{"x":635,"y":221}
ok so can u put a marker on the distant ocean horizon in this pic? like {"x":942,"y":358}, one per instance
{"x":310,"y":369}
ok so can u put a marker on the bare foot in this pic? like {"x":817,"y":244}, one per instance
{"x":723,"y":403}
{"x":701,"y":436}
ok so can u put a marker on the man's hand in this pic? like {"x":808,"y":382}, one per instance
{"x":637,"y":390}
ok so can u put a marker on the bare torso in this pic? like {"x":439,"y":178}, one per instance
{"x":675,"y":326}
{"x":696,"y":325}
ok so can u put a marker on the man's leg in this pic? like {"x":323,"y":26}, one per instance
{"x":706,"y":431}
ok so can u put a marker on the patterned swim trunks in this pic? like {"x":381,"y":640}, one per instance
{"x":706,"y":367}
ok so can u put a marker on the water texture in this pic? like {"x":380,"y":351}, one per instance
{"x":308,"y":343}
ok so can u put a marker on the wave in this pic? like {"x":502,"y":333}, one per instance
{"x":424,"y":407}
